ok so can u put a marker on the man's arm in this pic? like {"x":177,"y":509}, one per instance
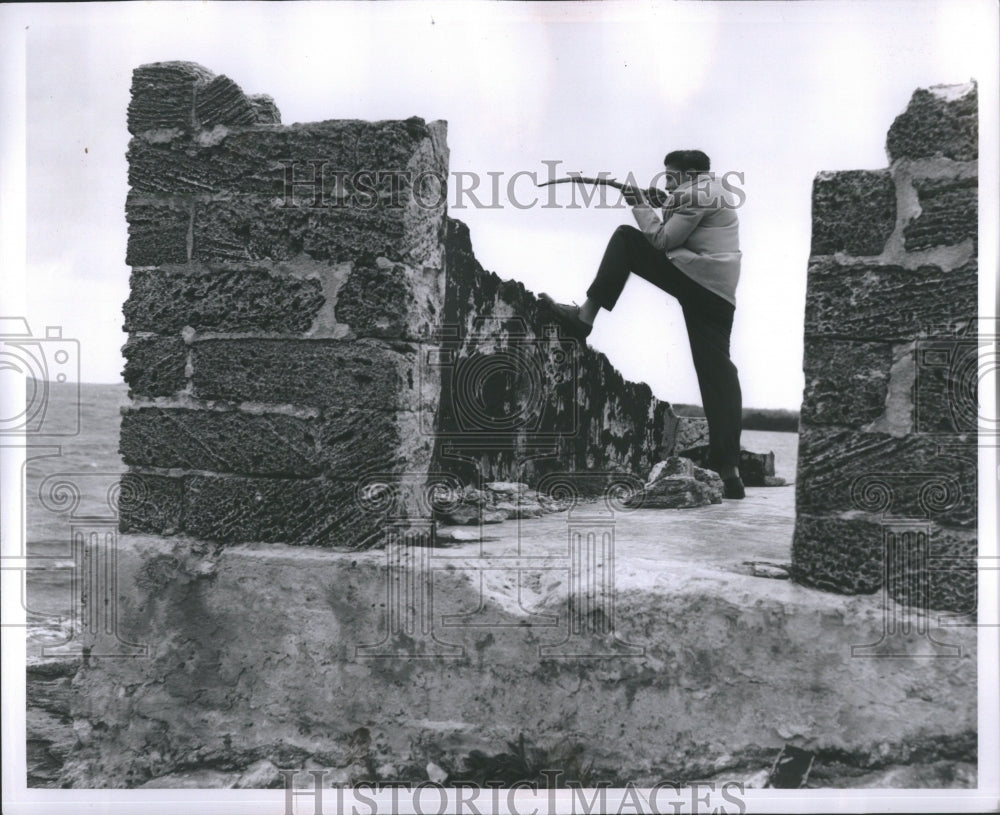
{"x":672,"y":232}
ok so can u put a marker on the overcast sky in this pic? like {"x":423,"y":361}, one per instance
{"x":777,"y":91}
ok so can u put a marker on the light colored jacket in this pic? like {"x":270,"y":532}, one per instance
{"x":699,"y":234}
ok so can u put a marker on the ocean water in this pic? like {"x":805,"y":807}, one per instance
{"x":74,"y":476}
{"x":70,"y":475}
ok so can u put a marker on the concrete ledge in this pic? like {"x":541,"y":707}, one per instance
{"x":673,"y":668}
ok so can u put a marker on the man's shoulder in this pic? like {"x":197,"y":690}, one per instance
{"x":707,"y":194}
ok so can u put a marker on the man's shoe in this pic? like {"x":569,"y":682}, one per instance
{"x":569,"y":317}
{"x":733,"y":488}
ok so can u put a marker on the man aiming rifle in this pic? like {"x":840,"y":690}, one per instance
{"x":693,"y":253}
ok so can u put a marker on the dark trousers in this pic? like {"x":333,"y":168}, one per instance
{"x":709,"y":321}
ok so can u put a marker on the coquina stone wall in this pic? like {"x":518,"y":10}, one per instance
{"x":520,"y":400}
{"x":300,"y":309}
{"x":887,"y":474}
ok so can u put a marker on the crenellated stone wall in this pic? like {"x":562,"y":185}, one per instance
{"x":300,"y":306}
{"x":521,"y":400}
{"x":886,"y":495}
{"x":275,"y":315}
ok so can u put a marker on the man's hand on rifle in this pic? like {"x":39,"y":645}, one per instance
{"x":634,"y":197}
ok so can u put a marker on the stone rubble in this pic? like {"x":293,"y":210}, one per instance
{"x":676,"y":483}
{"x":499,"y":501}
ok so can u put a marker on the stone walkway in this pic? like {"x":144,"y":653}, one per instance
{"x":724,"y":536}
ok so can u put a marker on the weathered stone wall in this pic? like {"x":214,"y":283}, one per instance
{"x":520,"y":400}
{"x":292,"y":333}
{"x":274,"y":335}
{"x":887,"y":473}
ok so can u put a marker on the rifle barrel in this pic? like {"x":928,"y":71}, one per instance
{"x":579,"y":179}
{"x":654,"y":194}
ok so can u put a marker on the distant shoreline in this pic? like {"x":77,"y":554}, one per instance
{"x":775,"y":419}
{"x":778,"y":419}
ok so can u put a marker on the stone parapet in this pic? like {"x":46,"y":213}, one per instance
{"x":887,"y":474}
{"x":283,"y":281}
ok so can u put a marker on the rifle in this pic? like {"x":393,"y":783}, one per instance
{"x":654,"y":195}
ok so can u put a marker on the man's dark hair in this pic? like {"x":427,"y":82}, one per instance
{"x":688,"y":161}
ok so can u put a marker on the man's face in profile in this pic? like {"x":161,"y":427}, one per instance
{"x":673,"y":177}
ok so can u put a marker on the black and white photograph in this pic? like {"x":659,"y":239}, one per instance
{"x":500,"y":407}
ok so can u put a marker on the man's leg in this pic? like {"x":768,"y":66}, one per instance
{"x":628,"y":251}
{"x":709,"y":326}
{"x":709,"y":321}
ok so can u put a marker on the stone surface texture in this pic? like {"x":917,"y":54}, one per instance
{"x":275,"y":315}
{"x":284,"y":655}
{"x":887,"y":469}
{"x":519,"y":400}
{"x":676,"y":483}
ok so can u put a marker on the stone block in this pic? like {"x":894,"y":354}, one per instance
{"x":248,"y":299}
{"x":845,"y":382}
{"x":221,"y":441}
{"x":389,"y":300}
{"x":358,"y":440}
{"x":233,"y":163}
{"x":853,"y":211}
{"x":155,"y":365}
{"x":838,"y":554}
{"x":676,"y":483}
{"x":187,"y":97}
{"x":150,"y":503}
{"x":257,"y":228}
{"x":312,"y":373}
{"x":675,"y":492}
{"x":910,"y":476}
{"x":850,"y":555}
{"x":681,"y":433}
{"x":939,"y":121}
{"x":949,"y":213}
{"x":355,"y":163}
{"x":317,"y":512}
{"x":265,"y":108}
{"x":158,"y":231}
{"x":882,"y":302}
{"x":946,"y":383}
{"x":220,"y":101}
{"x":163,"y":95}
